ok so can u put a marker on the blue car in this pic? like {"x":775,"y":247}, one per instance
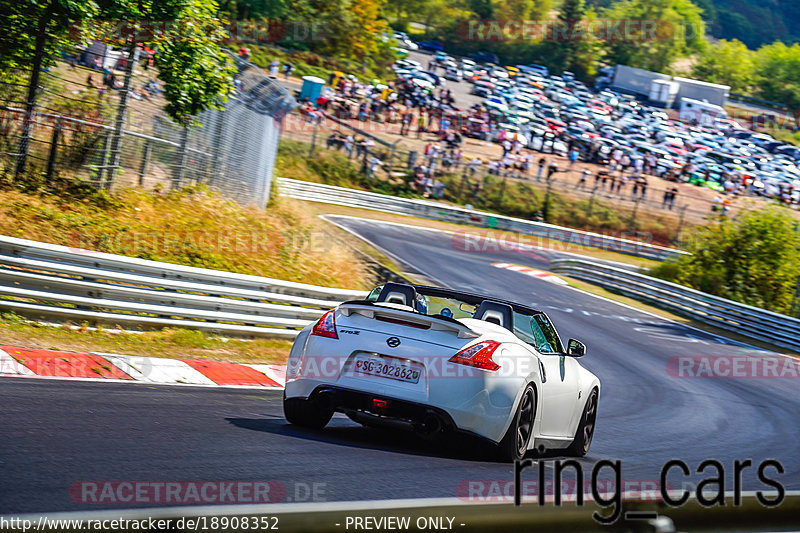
{"x":432,"y":46}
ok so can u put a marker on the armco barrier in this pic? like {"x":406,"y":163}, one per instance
{"x":317,"y":192}
{"x":766,"y":326}
{"x":48,"y":281}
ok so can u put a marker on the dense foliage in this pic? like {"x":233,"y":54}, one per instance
{"x":754,"y":260}
{"x":754,"y":22}
{"x":772,"y":72}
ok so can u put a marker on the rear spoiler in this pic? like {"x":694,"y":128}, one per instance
{"x":431,"y":323}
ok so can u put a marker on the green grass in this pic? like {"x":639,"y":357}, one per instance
{"x":192,"y":226}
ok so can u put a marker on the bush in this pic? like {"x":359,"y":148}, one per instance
{"x":754,"y":260}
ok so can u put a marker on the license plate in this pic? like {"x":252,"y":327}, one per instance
{"x":385,"y":367}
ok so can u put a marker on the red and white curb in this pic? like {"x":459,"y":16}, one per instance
{"x":546,"y":276}
{"x":27,"y":362}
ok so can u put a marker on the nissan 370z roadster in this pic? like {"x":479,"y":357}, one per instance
{"x":434,"y":360}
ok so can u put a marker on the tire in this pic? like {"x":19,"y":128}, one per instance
{"x":583,"y":435}
{"x":301,"y":412}
{"x":515,"y":442}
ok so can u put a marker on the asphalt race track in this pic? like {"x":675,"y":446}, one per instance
{"x":56,"y":433}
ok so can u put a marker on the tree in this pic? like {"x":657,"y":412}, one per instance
{"x":777,"y":72}
{"x":352,"y":29}
{"x":32,"y":34}
{"x":754,"y":260}
{"x":727,"y":62}
{"x":679,"y":31}
{"x":196,"y":73}
{"x":571,"y":16}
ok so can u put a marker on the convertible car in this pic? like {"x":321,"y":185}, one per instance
{"x":434,"y":360}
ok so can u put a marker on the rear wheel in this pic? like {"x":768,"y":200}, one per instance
{"x":515,"y":442}
{"x":583,"y":435}
{"x":305,"y":413}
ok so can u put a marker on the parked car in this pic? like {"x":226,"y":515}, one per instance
{"x":431,"y":46}
{"x":484,"y":57}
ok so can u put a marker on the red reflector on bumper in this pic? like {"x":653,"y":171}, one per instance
{"x":378,"y":406}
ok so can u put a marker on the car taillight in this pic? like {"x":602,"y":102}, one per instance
{"x":326,"y":326}
{"x":478,"y":355}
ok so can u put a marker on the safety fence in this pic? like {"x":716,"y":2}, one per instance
{"x":73,"y":131}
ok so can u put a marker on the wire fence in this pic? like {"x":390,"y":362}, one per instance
{"x":634,"y":204}
{"x":73,"y":129}
{"x":399,"y":148}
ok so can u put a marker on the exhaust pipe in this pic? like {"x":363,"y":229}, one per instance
{"x":430,"y":425}
{"x":324,"y":399}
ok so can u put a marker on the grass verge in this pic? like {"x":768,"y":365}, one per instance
{"x":193,"y":227}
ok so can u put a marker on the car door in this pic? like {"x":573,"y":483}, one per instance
{"x":559,"y":397}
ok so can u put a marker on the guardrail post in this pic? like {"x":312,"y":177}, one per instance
{"x":116,"y":145}
{"x":502,"y":188}
{"x":412,"y":159}
{"x":546,"y":203}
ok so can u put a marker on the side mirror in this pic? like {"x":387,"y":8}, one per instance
{"x":576,"y":348}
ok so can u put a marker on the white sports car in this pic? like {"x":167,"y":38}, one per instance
{"x":434,"y":360}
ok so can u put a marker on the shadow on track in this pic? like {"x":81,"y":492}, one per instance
{"x":342,"y":432}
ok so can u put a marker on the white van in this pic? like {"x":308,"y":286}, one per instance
{"x":700,"y":112}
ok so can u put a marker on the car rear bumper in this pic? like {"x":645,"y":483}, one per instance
{"x":482,"y":409}
{"x":383,"y":410}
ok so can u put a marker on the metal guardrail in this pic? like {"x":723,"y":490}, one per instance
{"x":49,"y":281}
{"x":753,"y":322}
{"x":317,"y":192}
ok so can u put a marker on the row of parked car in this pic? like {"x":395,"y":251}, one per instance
{"x":551,"y":113}
{"x":528,"y":104}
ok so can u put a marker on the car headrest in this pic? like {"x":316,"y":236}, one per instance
{"x":497,"y":313}
{"x":398,"y":293}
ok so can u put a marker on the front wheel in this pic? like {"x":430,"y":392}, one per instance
{"x":583,"y":435}
{"x":515,"y":442}
{"x":306,"y":413}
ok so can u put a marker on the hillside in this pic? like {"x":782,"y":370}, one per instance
{"x":754,"y":22}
